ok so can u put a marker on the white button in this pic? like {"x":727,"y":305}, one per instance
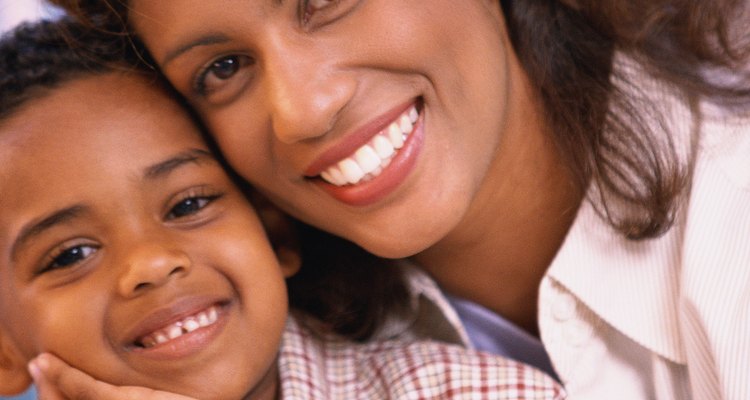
{"x":564,"y":307}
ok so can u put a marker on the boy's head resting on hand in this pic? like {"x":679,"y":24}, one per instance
{"x":125,"y":248}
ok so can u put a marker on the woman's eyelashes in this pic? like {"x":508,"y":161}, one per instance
{"x":222,"y":77}
{"x":225,"y":76}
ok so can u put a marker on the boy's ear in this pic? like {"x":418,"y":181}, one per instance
{"x":14,"y":377}
{"x":281,"y":233}
{"x":290,"y":260}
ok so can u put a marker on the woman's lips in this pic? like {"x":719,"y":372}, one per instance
{"x":369,"y":160}
{"x":388,"y":178}
{"x":374,"y":160}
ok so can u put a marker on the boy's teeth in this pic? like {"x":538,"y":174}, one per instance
{"x":190,"y":325}
{"x":179,"y":328}
{"x":160,"y":338}
{"x":174,"y":332}
{"x":368,"y":161}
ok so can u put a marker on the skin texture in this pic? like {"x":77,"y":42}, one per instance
{"x":174,"y":239}
{"x":487,"y":200}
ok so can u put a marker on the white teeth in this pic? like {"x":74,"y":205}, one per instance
{"x":396,"y":135}
{"x":174,"y":332}
{"x":383,"y":147}
{"x":191,"y":325}
{"x":405,"y":124}
{"x":337,"y":176}
{"x":203,"y":319}
{"x":351,"y":170}
{"x":161,"y":338}
{"x":368,"y":161}
{"x":179,"y":328}
{"x":327,"y":176}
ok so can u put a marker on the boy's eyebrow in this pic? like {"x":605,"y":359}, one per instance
{"x":35,"y":228}
{"x":205,"y":40}
{"x":164,"y":168}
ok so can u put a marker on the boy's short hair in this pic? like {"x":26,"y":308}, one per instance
{"x":37,"y":57}
{"x":350,"y":291}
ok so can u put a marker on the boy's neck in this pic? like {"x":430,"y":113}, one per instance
{"x":269,"y":387}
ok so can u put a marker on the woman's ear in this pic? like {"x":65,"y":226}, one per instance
{"x":14,"y":377}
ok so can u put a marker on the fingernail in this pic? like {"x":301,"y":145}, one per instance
{"x":42,"y":362}
{"x":33,"y":367}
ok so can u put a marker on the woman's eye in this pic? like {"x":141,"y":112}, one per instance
{"x":220,"y":72}
{"x":189,"y":206}
{"x":70,"y":256}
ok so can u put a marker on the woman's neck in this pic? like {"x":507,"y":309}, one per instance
{"x":499,"y":253}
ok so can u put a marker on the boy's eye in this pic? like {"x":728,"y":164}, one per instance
{"x":222,"y":72}
{"x":70,"y":256}
{"x":226,"y":67}
{"x":189,"y":206}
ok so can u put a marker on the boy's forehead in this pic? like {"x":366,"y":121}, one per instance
{"x":83,"y":127}
{"x":96,"y":106}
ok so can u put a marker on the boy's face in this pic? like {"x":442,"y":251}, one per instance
{"x":120,"y":233}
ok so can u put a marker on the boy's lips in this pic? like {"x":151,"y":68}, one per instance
{"x":357,"y":170}
{"x":201,"y":319}
{"x":178,"y":329}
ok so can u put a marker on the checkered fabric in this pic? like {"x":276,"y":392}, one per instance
{"x":327,"y":368}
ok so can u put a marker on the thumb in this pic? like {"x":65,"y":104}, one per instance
{"x":45,"y":390}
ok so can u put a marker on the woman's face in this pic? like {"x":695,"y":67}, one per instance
{"x":375,"y":120}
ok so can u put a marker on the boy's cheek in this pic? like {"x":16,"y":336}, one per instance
{"x":14,"y":376}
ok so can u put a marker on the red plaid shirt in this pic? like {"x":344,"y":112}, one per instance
{"x":312,"y":367}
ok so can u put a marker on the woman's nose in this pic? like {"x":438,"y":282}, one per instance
{"x":149,"y":266}
{"x":306,"y":88}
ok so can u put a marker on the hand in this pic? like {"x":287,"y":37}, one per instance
{"x":56,"y":380}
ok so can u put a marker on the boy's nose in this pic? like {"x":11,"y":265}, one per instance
{"x":306,"y":88}
{"x":150,"y":266}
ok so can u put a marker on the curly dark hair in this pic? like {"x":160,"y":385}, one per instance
{"x":39,"y":57}
{"x":349,"y":291}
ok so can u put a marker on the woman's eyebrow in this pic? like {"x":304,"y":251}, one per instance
{"x":164,"y":168}
{"x":39,"y":226}
{"x":204,"y":40}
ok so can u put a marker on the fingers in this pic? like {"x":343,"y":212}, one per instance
{"x":44,"y":388}
{"x":57,"y":380}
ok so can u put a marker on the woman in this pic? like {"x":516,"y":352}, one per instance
{"x":548,"y":163}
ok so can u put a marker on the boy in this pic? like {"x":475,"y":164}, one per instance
{"x":127,"y":251}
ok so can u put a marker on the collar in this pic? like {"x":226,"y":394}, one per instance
{"x":632,"y":285}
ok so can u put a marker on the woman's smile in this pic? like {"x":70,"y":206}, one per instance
{"x":375,"y":168}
